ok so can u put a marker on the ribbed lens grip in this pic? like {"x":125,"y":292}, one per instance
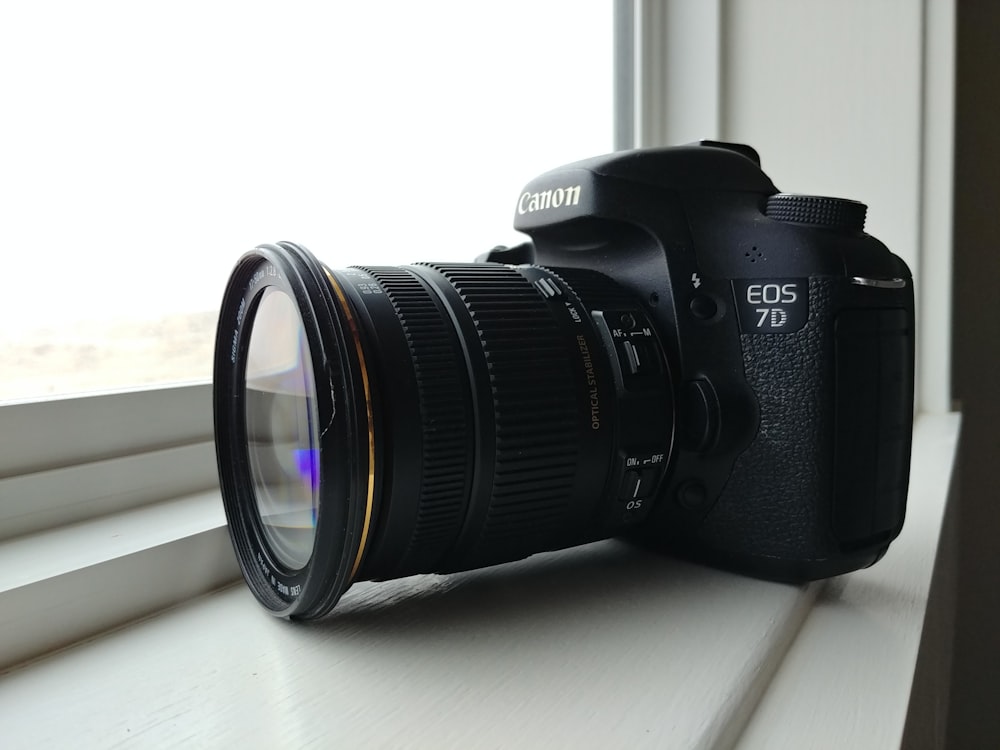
{"x":534,"y":409}
{"x":446,"y":420}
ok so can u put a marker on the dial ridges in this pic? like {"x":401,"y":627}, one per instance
{"x":446,"y":421}
{"x":534,"y":406}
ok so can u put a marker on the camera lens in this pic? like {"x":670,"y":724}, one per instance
{"x":282,"y":438}
{"x":373,"y":423}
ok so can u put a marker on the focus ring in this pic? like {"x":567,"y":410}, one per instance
{"x":535,"y":412}
{"x":446,"y":421}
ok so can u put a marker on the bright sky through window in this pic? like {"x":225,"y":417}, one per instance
{"x":146,"y":147}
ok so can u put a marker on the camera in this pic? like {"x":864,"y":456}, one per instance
{"x":680,"y":355}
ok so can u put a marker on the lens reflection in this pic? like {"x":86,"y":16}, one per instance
{"x":282,"y":439}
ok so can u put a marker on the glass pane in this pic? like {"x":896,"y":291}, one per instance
{"x":146,"y":147}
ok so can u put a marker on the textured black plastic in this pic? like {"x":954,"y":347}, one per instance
{"x":775,"y":501}
{"x":873,"y":414}
{"x":534,"y":410}
{"x":797,"y":505}
{"x":818,"y":211}
{"x":441,"y":488}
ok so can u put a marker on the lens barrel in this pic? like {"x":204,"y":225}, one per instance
{"x":465,"y":415}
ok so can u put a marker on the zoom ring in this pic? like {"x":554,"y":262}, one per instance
{"x":446,"y":421}
{"x":535,"y":412}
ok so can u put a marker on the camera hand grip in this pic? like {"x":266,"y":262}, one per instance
{"x":873,"y":403}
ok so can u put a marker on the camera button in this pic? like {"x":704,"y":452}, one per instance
{"x":703,"y":307}
{"x":699,"y":415}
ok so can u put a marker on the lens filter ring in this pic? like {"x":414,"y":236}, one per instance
{"x":302,"y":577}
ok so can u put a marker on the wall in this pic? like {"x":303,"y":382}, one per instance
{"x":975,"y":695}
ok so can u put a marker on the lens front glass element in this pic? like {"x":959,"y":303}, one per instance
{"x":281,"y":423}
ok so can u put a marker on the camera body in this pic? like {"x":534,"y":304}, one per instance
{"x":788,"y":335}
{"x":681,"y":355}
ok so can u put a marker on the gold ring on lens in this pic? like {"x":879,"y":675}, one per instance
{"x":370,"y":495}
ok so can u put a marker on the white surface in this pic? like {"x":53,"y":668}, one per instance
{"x":58,"y":432}
{"x":604,"y":646}
{"x":937,"y":179}
{"x":48,"y":499}
{"x":59,"y":586}
{"x":105,"y":513}
{"x":679,"y":58}
{"x":68,"y":460}
{"x":600,"y":646}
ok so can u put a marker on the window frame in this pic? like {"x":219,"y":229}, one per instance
{"x":112,"y":525}
{"x":87,"y":473}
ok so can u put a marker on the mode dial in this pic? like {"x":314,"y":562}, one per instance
{"x":830,"y":213}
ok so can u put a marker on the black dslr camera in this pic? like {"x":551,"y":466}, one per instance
{"x":681,"y":355}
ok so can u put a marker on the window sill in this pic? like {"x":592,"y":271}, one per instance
{"x":74,"y":581}
{"x":604,"y":646}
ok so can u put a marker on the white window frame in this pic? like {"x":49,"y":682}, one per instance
{"x":109,"y":511}
{"x":71,"y":459}
{"x":118,"y":491}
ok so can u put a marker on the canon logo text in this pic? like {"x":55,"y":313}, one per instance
{"x":531,"y":202}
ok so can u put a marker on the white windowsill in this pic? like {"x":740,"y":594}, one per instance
{"x":59,"y":586}
{"x":600,"y":646}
